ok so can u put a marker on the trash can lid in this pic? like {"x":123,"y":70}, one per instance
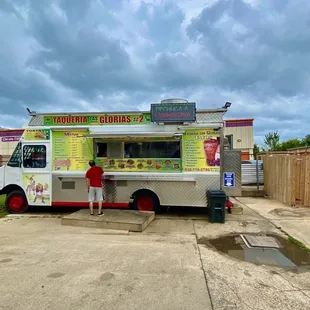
{"x":216,"y":193}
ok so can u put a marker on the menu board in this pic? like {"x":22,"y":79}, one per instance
{"x":37,"y":134}
{"x":140,"y":164}
{"x":201,"y":150}
{"x":71,"y":150}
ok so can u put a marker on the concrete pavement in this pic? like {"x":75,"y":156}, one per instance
{"x":235,"y":284}
{"x":293,"y":220}
{"x":44,"y":265}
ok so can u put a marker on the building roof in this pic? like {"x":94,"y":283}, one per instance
{"x":239,"y":120}
{"x":11,"y":132}
{"x":5,"y":130}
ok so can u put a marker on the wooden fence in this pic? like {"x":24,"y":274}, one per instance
{"x":287,"y":176}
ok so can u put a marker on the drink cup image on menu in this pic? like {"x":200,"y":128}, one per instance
{"x":210,"y":147}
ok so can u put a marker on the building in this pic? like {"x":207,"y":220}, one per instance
{"x":8,"y":141}
{"x":240,"y":135}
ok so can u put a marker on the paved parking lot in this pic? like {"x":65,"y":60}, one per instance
{"x":44,"y":265}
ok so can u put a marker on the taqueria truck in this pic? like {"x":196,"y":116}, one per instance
{"x":168,"y":156}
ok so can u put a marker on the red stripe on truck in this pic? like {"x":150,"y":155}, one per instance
{"x":117,"y":205}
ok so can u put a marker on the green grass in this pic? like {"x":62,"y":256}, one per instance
{"x":3,"y":211}
{"x":297,"y":242}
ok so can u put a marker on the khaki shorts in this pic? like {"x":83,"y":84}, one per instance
{"x":95,"y":194}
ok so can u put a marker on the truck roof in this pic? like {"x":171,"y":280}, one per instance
{"x":203,"y":115}
{"x":32,"y":113}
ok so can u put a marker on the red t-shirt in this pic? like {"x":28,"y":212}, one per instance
{"x":94,"y":175}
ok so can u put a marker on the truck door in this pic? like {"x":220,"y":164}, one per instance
{"x":36,"y":172}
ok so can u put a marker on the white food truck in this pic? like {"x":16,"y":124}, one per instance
{"x":168,"y":156}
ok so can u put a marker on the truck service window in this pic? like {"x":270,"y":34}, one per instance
{"x":166,"y":149}
{"x":34,"y":156}
{"x":101,"y":149}
{"x":15,"y":159}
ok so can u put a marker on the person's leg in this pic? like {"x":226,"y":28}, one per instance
{"x":91,"y":198}
{"x":99,"y":199}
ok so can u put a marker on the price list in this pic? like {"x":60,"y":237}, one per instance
{"x":71,"y":151}
{"x":195,"y":157}
{"x":192,"y":153}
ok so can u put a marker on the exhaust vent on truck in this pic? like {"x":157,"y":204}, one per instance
{"x":174,"y":100}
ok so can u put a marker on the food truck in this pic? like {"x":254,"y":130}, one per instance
{"x":167,"y":156}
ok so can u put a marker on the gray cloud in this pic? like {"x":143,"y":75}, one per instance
{"x":124,"y":55}
{"x":82,"y":58}
{"x":260,"y":47}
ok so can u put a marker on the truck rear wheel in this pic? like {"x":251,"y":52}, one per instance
{"x":146,"y":201}
{"x":16,"y":202}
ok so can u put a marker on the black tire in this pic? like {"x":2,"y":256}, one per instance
{"x":16,"y":202}
{"x":145,"y":200}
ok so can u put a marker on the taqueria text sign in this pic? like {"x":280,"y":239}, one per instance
{"x":201,"y":150}
{"x":173,"y":112}
{"x":104,"y":119}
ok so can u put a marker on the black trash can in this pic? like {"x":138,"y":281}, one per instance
{"x":216,"y":206}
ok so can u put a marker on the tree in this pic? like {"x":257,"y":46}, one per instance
{"x":306,"y":140}
{"x":256,"y":150}
{"x":272,"y":141}
{"x":290,"y":144}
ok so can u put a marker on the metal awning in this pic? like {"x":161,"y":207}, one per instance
{"x":134,"y":131}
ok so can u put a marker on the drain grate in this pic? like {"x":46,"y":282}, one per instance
{"x":261,"y":241}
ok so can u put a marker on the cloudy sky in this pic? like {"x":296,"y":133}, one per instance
{"x":114,"y":55}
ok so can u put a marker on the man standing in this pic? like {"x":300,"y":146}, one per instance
{"x":94,"y":186}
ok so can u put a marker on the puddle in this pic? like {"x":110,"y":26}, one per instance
{"x":284,"y":254}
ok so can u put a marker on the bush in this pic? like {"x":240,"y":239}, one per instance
{"x":3,"y":211}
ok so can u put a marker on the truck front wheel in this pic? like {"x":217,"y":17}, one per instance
{"x":16,"y":202}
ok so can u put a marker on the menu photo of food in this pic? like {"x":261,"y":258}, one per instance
{"x":158,"y":165}
{"x":60,"y":164}
{"x":40,"y":135}
{"x":172,"y":164}
{"x":176,"y":165}
{"x":130,"y":163}
{"x":121,"y":164}
{"x":110,"y":163}
{"x":149,"y":163}
{"x":140,"y":166}
{"x":143,"y":164}
{"x":168,"y":163}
